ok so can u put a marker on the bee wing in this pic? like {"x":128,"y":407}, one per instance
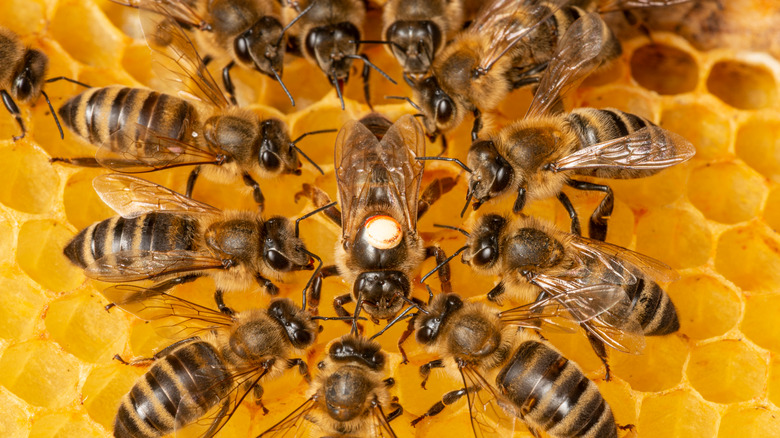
{"x":134,"y":265}
{"x":294,"y":424}
{"x":176,"y":59}
{"x":149,"y":151}
{"x":150,"y":304}
{"x":579,"y":53}
{"x":359,"y":156}
{"x":648,"y":148}
{"x":180,"y":11}
{"x":616,"y":258}
{"x":488,"y":417}
{"x":616,"y":329}
{"x":622,"y":5}
{"x":497,"y":21}
{"x":380,"y":427}
{"x":131,"y":196}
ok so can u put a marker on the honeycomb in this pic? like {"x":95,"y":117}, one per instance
{"x":715,"y":219}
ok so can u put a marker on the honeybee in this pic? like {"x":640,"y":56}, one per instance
{"x":329,"y":35}
{"x":248,"y":32}
{"x":22,"y":76}
{"x":378,"y":183}
{"x":416,"y":31}
{"x":139,"y":130}
{"x":204,"y":378}
{"x":534,"y":259}
{"x":163,"y":235}
{"x":533,"y":381}
{"x":349,"y":395}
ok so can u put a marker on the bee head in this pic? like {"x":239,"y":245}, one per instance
{"x":262,"y":47}
{"x":381,"y":292}
{"x":428,"y":326}
{"x":413,"y":44}
{"x":484,"y":243}
{"x":441,"y":112}
{"x":282,"y":251}
{"x":492,"y":175}
{"x":276,"y":153}
{"x":300,"y":329}
{"x":334,"y":48}
{"x":28,"y":79}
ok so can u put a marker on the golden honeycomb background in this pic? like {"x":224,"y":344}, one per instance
{"x":716,"y":219}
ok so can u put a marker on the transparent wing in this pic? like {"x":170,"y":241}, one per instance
{"x":181,"y":11}
{"x":617,"y":259}
{"x":293,"y":425}
{"x":134,"y":265}
{"x":650,"y":148}
{"x":150,"y":304}
{"x":622,"y":5}
{"x":370,"y":171}
{"x":176,"y":60}
{"x":137,"y":149}
{"x":579,"y":53}
{"x":130,"y":196}
{"x":617,"y":329}
{"x":379,"y":424}
{"x":506,"y":22}
{"x":564,"y":309}
{"x":488,"y":418}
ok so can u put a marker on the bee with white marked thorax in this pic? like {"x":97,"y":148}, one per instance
{"x":164,"y":236}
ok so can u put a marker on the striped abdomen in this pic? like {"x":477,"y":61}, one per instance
{"x":179,"y":388}
{"x":119,"y":116}
{"x":652,"y":307}
{"x":551,"y":393}
{"x":149,"y":232}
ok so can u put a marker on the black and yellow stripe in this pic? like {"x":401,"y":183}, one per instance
{"x":652,"y":308}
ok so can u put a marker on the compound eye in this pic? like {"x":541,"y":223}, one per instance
{"x":444,"y":110}
{"x":269,"y":160}
{"x":424,"y":335}
{"x":485,"y":256}
{"x":378,"y":359}
{"x":23,"y":86}
{"x":277,"y":261}
{"x":241,"y":47}
{"x":303,"y":337}
{"x":503,"y":175}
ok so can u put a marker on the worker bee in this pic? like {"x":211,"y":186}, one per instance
{"x":139,"y":130}
{"x":329,"y":35}
{"x":163,"y":235}
{"x":22,"y":76}
{"x":416,"y":31}
{"x":378,"y":186}
{"x":248,"y":32}
{"x":349,"y":395}
{"x":487,"y":60}
{"x":533,"y":381}
{"x":534,"y":259}
{"x":204,"y":378}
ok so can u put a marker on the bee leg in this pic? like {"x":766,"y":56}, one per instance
{"x":597,"y":228}
{"x":404,"y":336}
{"x":268,"y":285}
{"x":396,"y":412}
{"x":601,"y":352}
{"x":228,"y":82}
{"x":446,"y":400}
{"x":303,"y":368}
{"x":366,"y":75}
{"x":10,"y":105}
{"x":191,"y":181}
{"x":575,"y":220}
{"x":433,"y":192}
{"x":444,"y":272}
{"x":528,"y":77}
{"x":496,"y":292}
{"x":425,"y":370}
{"x":316,"y":286}
{"x":256,"y":192}
{"x":477,"y":125}
{"x":258,"y":392}
{"x":144,"y":361}
{"x":219,"y":299}
{"x":67,"y":79}
{"x":79,"y":161}
{"x":320,"y":199}
{"x":338,"y":306}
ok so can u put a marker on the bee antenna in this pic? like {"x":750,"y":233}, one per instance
{"x":54,"y":114}
{"x":468,"y":200}
{"x":453,"y":160}
{"x":294,"y":143}
{"x":313,"y":275}
{"x":418,"y":115}
{"x":338,"y":91}
{"x":336,"y":318}
{"x":408,"y":100}
{"x":371,"y":64}
{"x":358,"y":308}
{"x":312,"y":213}
{"x":439,"y":266}
{"x":403,"y":315}
{"x":293,"y":21}
{"x":391,"y":43}
{"x":279,"y":80}
{"x":450,"y":227}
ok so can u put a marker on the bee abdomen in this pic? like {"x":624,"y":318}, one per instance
{"x":149,"y":232}
{"x":551,"y":393}
{"x":596,"y":125}
{"x":118,"y":116}
{"x":177,"y":389}
{"x":652,"y":308}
